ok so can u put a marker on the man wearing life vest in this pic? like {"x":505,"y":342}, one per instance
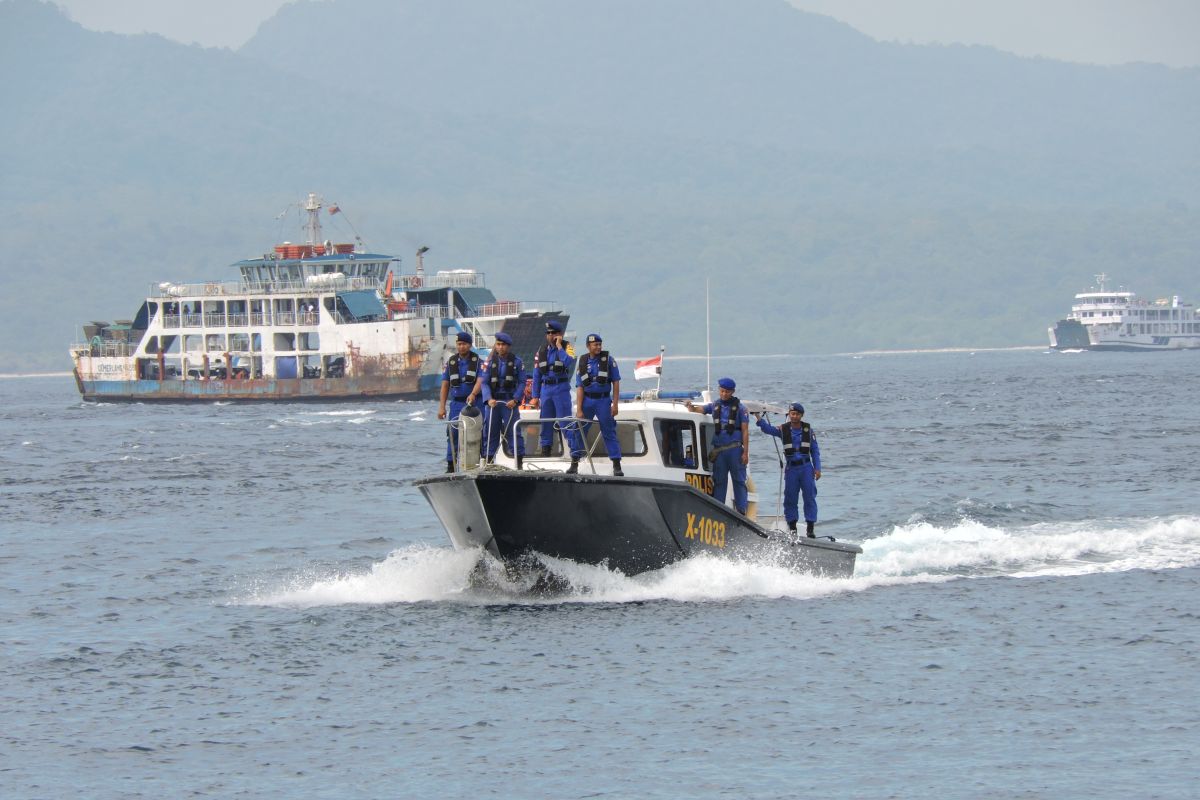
{"x":803,"y":465}
{"x":730,"y":445}
{"x":597,"y":392}
{"x":552,"y":367}
{"x":458,"y":386}
{"x":501,"y":381}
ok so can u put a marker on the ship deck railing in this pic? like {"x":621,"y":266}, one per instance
{"x":505,"y":308}
{"x":171,"y":291}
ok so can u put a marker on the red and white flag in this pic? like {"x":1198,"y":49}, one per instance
{"x":649,"y":368}
{"x":333,"y":209}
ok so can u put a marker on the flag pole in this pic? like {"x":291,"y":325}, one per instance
{"x":662,"y":349}
{"x":707,"y":341}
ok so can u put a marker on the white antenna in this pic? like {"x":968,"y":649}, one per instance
{"x":707,"y":341}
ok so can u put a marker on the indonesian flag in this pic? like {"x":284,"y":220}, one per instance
{"x":333,"y":209}
{"x":648,"y":368}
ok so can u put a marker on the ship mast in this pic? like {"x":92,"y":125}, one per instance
{"x":312,"y":228}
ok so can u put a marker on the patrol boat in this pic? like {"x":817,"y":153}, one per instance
{"x":659,"y":512}
{"x":312,"y":321}
{"x":1106,"y":320}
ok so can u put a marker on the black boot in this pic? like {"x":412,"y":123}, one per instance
{"x":449,"y":467}
{"x":808,"y":525}
{"x":617,"y":468}
{"x":545,"y":451}
{"x":574,"y":468}
{"x":792,"y":527}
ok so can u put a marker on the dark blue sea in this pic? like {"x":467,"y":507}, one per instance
{"x":252,"y":601}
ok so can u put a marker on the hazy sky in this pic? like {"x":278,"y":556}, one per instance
{"x":1092,"y":31}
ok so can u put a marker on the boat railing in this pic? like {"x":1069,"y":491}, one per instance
{"x":445,"y":279}
{"x":504,"y":308}
{"x":193,"y":320}
{"x":239,"y":320}
{"x":279,"y":286}
{"x":106,"y":349}
{"x":171,"y":321}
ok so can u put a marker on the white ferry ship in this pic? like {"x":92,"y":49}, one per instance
{"x":1116,"y":320}
{"x":312,"y":321}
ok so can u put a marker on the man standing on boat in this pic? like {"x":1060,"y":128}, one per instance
{"x":458,"y":386}
{"x":552,"y":367}
{"x":597,"y":389}
{"x":501,"y":382}
{"x":803,"y":465}
{"x":730,"y":445}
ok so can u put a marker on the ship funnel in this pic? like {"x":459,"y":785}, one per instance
{"x":421,"y":264}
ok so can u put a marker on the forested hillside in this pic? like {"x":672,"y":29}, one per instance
{"x":838,"y":193}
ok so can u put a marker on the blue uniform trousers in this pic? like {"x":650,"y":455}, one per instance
{"x":501,"y":421}
{"x":797,"y":480}
{"x":453,"y":409}
{"x":600,"y":409}
{"x":728,"y":463}
{"x":555,"y":402}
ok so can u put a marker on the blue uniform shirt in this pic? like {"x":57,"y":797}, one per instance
{"x":593,"y":366}
{"x":553,"y":354}
{"x":502,"y":371}
{"x":464,"y":388}
{"x":797,"y":438}
{"x":723,"y":436}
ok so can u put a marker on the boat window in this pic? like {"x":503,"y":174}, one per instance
{"x":629,"y":436}
{"x":677,"y":443}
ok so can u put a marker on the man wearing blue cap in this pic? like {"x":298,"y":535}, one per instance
{"x":458,"y":385}
{"x":803,"y":465}
{"x":597,"y":393}
{"x":503,"y":377}
{"x":552,"y":366}
{"x":731,"y":443}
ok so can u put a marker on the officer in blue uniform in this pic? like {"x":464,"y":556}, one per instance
{"x":459,"y":380}
{"x":803,"y":465}
{"x":597,"y":393}
{"x":501,"y":382}
{"x":730,"y":445}
{"x":552,"y":367}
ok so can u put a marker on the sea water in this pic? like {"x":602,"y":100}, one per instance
{"x":230,"y":600}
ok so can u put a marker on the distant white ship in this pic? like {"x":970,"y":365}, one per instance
{"x":1107,"y":320}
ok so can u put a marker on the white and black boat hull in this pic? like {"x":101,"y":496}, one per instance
{"x":632,"y":525}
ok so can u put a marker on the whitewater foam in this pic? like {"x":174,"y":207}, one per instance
{"x":909,"y":554}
